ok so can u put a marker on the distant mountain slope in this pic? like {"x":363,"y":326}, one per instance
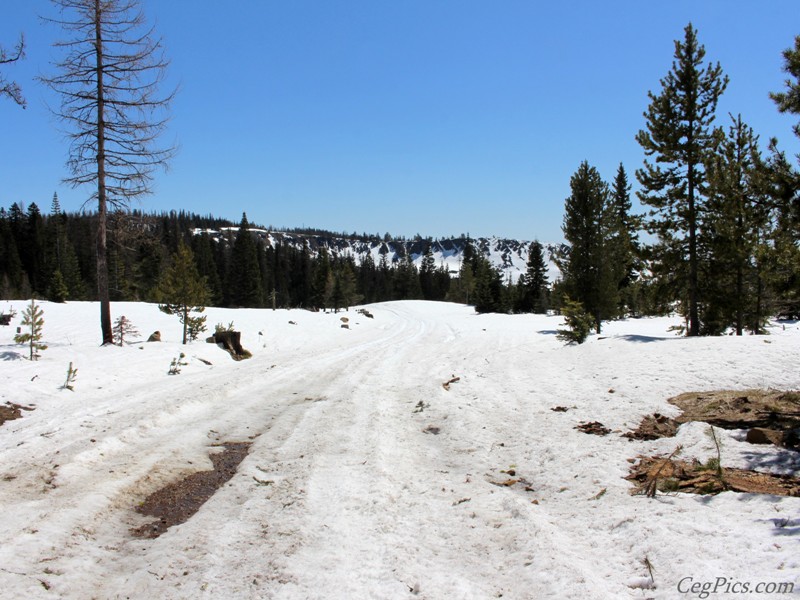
{"x":510,"y":256}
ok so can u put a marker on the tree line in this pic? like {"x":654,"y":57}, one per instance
{"x":52,"y":256}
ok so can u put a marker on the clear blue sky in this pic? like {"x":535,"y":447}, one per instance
{"x":436,"y":117}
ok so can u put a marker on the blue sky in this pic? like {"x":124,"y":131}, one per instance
{"x":436,"y":117}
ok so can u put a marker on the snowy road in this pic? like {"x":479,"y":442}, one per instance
{"x":367,"y":478}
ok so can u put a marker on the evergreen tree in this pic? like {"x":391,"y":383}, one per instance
{"x":735,"y":222}
{"x":207,"y":266}
{"x":32,"y":249}
{"x":490,"y":294}
{"x":33,"y":327}
{"x":427,"y":270}
{"x":789,"y":101}
{"x":384,"y":280}
{"x":183,"y":291}
{"x":10,"y":264}
{"x":589,"y":278}
{"x":58,"y":291}
{"x":533,"y":295}
{"x":123,"y":328}
{"x":679,"y":137}
{"x":623,"y":252}
{"x":407,"y":282}
{"x":244,"y":278}
{"x":783,"y":187}
{"x":322,"y":285}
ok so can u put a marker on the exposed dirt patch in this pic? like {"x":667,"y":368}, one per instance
{"x":178,"y":501}
{"x":670,"y":475}
{"x":771,"y":409}
{"x":768,"y":410}
{"x":10,"y":411}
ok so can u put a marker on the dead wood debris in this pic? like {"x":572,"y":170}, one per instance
{"x":446,"y":384}
{"x":593,"y":427}
{"x":653,"y":474}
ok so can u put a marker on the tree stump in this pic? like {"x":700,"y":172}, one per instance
{"x":232,"y":342}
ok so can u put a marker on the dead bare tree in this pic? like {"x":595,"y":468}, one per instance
{"x":113,"y":112}
{"x":11,"y":88}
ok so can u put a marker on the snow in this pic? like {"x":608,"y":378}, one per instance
{"x":364,"y":503}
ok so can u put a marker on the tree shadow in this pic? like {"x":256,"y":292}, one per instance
{"x":643,"y":339}
{"x":10,"y":355}
{"x":773,"y":459}
{"x":547,"y":332}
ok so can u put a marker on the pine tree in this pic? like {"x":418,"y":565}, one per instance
{"x":58,"y":291}
{"x":10,"y":263}
{"x":33,"y":320}
{"x":783,"y":274}
{"x":490,"y":294}
{"x":534,"y":283}
{"x":183,"y":291}
{"x":123,"y":328}
{"x":322,"y":285}
{"x":736,"y":226}
{"x":427,"y":270}
{"x":789,"y":101}
{"x":32,"y":250}
{"x":623,"y":253}
{"x":679,"y":137}
{"x":407,"y":282}
{"x":588,"y":275}
{"x":244,"y":281}
{"x":207,"y":267}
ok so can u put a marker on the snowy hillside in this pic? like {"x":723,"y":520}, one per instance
{"x":510,"y":256}
{"x":366,"y":477}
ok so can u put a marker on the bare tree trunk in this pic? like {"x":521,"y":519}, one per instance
{"x":694,"y":314}
{"x":102,"y":255}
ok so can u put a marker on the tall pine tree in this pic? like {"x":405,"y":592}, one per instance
{"x":679,"y":138}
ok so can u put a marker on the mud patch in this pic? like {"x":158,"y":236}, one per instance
{"x":10,"y":411}
{"x":652,"y":474}
{"x":178,"y":501}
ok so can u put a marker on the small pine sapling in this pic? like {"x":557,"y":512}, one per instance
{"x":71,"y":376}
{"x":176,"y":364}
{"x":123,"y":328}
{"x":195,"y":326}
{"x":715,"y":464}
{"x":578,"y":322}
{"x":219,"y":327}
{"x":183,"y":291}
{"x":33,"y":319}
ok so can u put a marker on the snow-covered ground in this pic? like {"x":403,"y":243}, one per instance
{"x":366,"y":500}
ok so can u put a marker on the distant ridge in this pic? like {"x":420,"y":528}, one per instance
{"x":510,"y":256}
